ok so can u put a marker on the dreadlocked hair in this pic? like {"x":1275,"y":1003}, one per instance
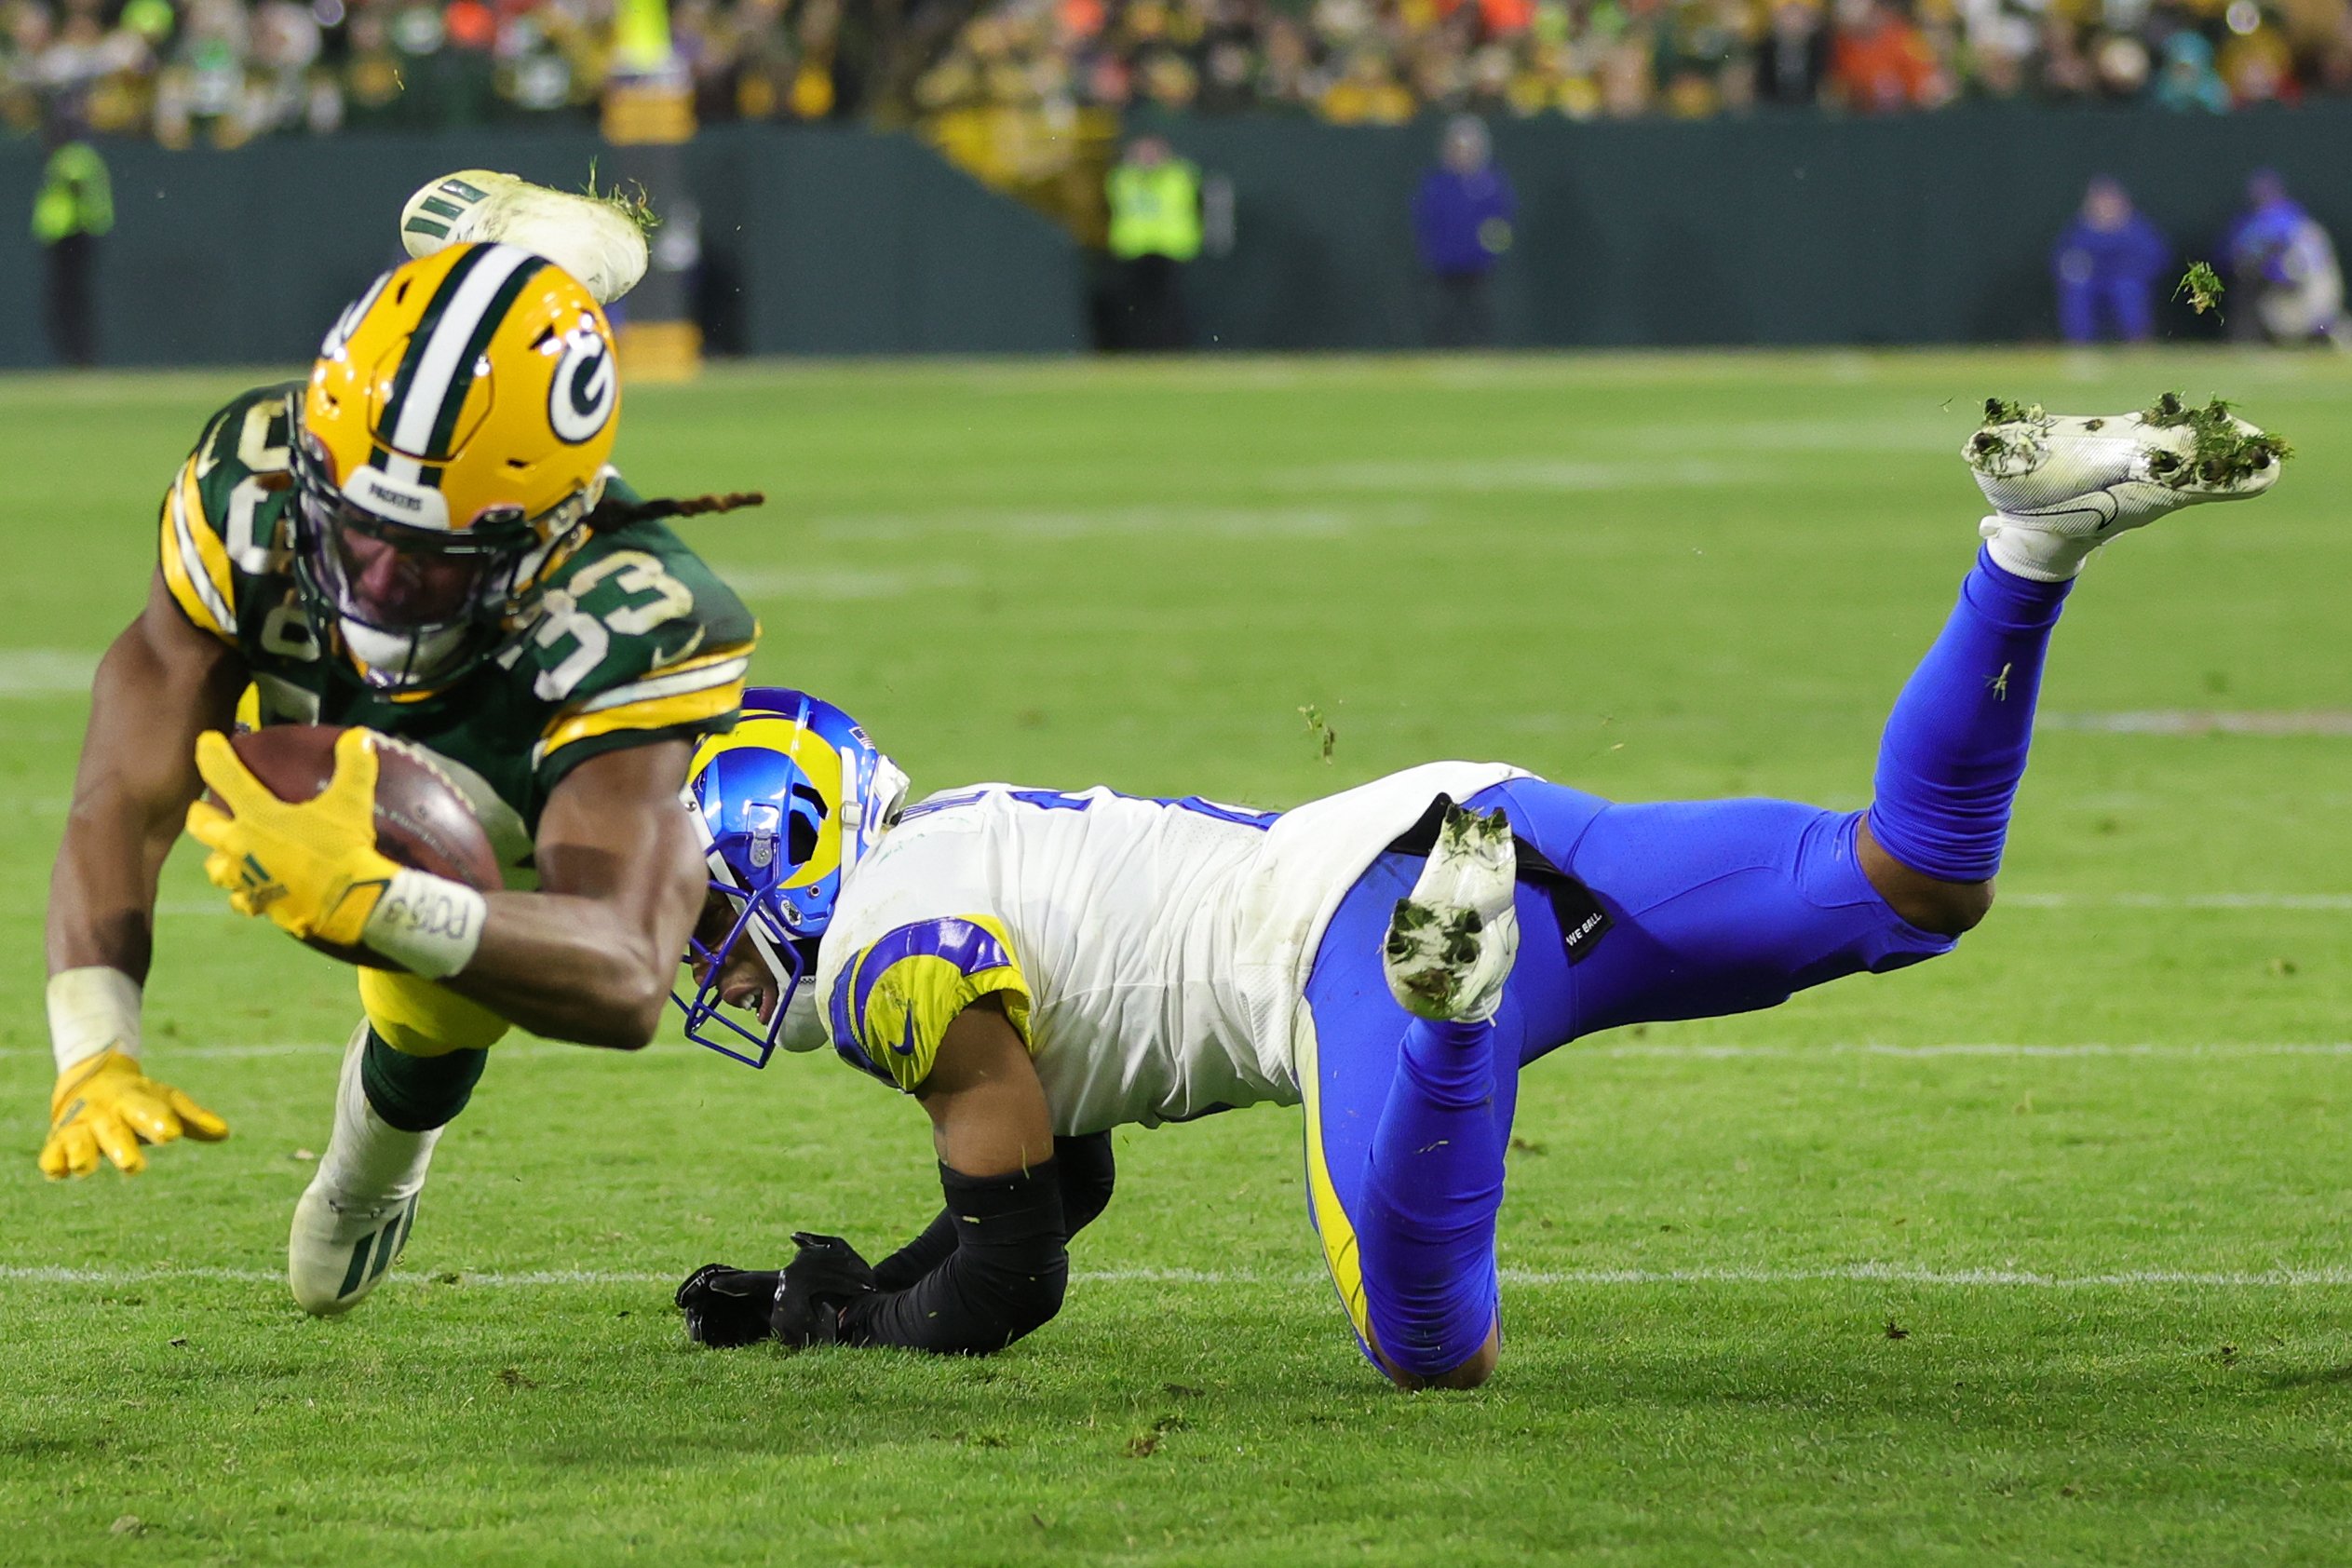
{"x":612,"y":514}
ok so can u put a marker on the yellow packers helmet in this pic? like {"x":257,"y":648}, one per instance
{"x":453,"y":439}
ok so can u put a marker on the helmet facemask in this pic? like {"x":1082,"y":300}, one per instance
{"x":786,"y":805}
{"x":418,"y":606}
{"x":764,"y":917}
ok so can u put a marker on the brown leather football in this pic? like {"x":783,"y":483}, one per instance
{"x":422,"y":820}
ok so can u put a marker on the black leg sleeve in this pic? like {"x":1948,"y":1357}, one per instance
{"x":418,"y":1093}
{"x":1005,"y":1277}
{"x":918,"y":1257}
{"x":1088,"y":1176}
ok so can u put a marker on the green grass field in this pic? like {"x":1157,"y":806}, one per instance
{"x":2036,"y":1254}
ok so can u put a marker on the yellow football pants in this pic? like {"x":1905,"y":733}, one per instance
{"x":419,"y":1017}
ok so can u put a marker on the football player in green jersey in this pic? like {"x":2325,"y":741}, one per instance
{"x":425,"y":540}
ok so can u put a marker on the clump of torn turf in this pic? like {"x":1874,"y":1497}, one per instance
{"x":1326,"y":734}
{"x":2011,"y":440}
{"x":2221,"y":451}
{"x":630,"y":201}
{"x":2201,"y":286}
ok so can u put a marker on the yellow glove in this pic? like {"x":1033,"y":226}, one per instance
{"x":312,"y":868}
{"x":106,"y":1105}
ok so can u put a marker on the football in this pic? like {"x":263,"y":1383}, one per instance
{"x":422,"y":820}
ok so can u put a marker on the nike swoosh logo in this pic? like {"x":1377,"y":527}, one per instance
{"x":681,"y":654}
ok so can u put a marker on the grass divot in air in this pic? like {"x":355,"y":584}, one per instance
{"x":626,"y":198}
{"x":2225,"y":450}
{"x":2201,"y":286}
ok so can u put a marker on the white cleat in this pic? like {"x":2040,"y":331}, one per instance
{"x":2062,"y":485}
{"x":596,"y":240}
{"x":1451,"y":945}
{"x":353,"y":1219}
{"x":336,"y":1255}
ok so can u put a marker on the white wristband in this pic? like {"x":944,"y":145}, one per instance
{"x":428,"y":924}
{"x":91,"y":1011}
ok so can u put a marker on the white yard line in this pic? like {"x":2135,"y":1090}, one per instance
{"x":1528,"y":475}
{"x":2307,"y":902}
{"x":167,"y":1048}
{"x":45,"y":672}
{"x":1857,"y":1274}
{"x":2217,"y":1049}
{"x":2203,"y":720}
{"x":1119,"y":522}
{"x":1966,"y":1278}
{"x":839,"y":584}
{"x":2220,"y":1049}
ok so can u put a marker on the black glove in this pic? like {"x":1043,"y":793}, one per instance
{"x":824,"y":1276}
{"x":727,"y":1308}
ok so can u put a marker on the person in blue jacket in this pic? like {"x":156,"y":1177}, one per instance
{"x":1462,"y":220}
{"x":2109,"y":263}
{"x":2282,"y":263}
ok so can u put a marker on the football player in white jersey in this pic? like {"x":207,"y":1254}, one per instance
{"x":1036,"y":968}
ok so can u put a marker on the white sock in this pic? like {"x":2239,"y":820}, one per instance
{"x":2037,"y":554}
{"x":369,"y":1164}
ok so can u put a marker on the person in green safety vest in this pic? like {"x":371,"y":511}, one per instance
{"x":1155,"y":200}
{"x":74,"y":207}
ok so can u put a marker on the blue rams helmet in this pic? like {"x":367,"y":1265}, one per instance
{"x":786,"y":802}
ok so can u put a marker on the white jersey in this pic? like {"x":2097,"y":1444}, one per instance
{"x":1153,"y":953}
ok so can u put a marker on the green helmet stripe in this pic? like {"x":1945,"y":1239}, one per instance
{"x":493,"y":317}
{"x":404,"y":379}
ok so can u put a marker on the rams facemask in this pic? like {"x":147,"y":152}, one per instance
{"x":786,"y":803}
{"x":452,"y":441}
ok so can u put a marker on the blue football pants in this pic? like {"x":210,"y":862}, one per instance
{"x":1715,"y":907}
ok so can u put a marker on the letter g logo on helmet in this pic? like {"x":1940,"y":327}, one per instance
{"x":580,"y":400}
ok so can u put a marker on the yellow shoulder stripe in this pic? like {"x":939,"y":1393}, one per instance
{"x":656,"y":712}
{"x":196,"y":565}
{"x":716,"y":668}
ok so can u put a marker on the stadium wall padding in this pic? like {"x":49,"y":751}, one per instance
{"x":1795,"y":229}
{"x":815,"y":242}
{"x":1774,"y":228}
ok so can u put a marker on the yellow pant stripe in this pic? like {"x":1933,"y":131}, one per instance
{"x":1331,"y":1221}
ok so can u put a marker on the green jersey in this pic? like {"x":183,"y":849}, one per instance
{"x":633,"y":639}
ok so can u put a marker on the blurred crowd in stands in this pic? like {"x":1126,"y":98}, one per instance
{"x":224,"y":71}
{"x":1385,"y":61}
